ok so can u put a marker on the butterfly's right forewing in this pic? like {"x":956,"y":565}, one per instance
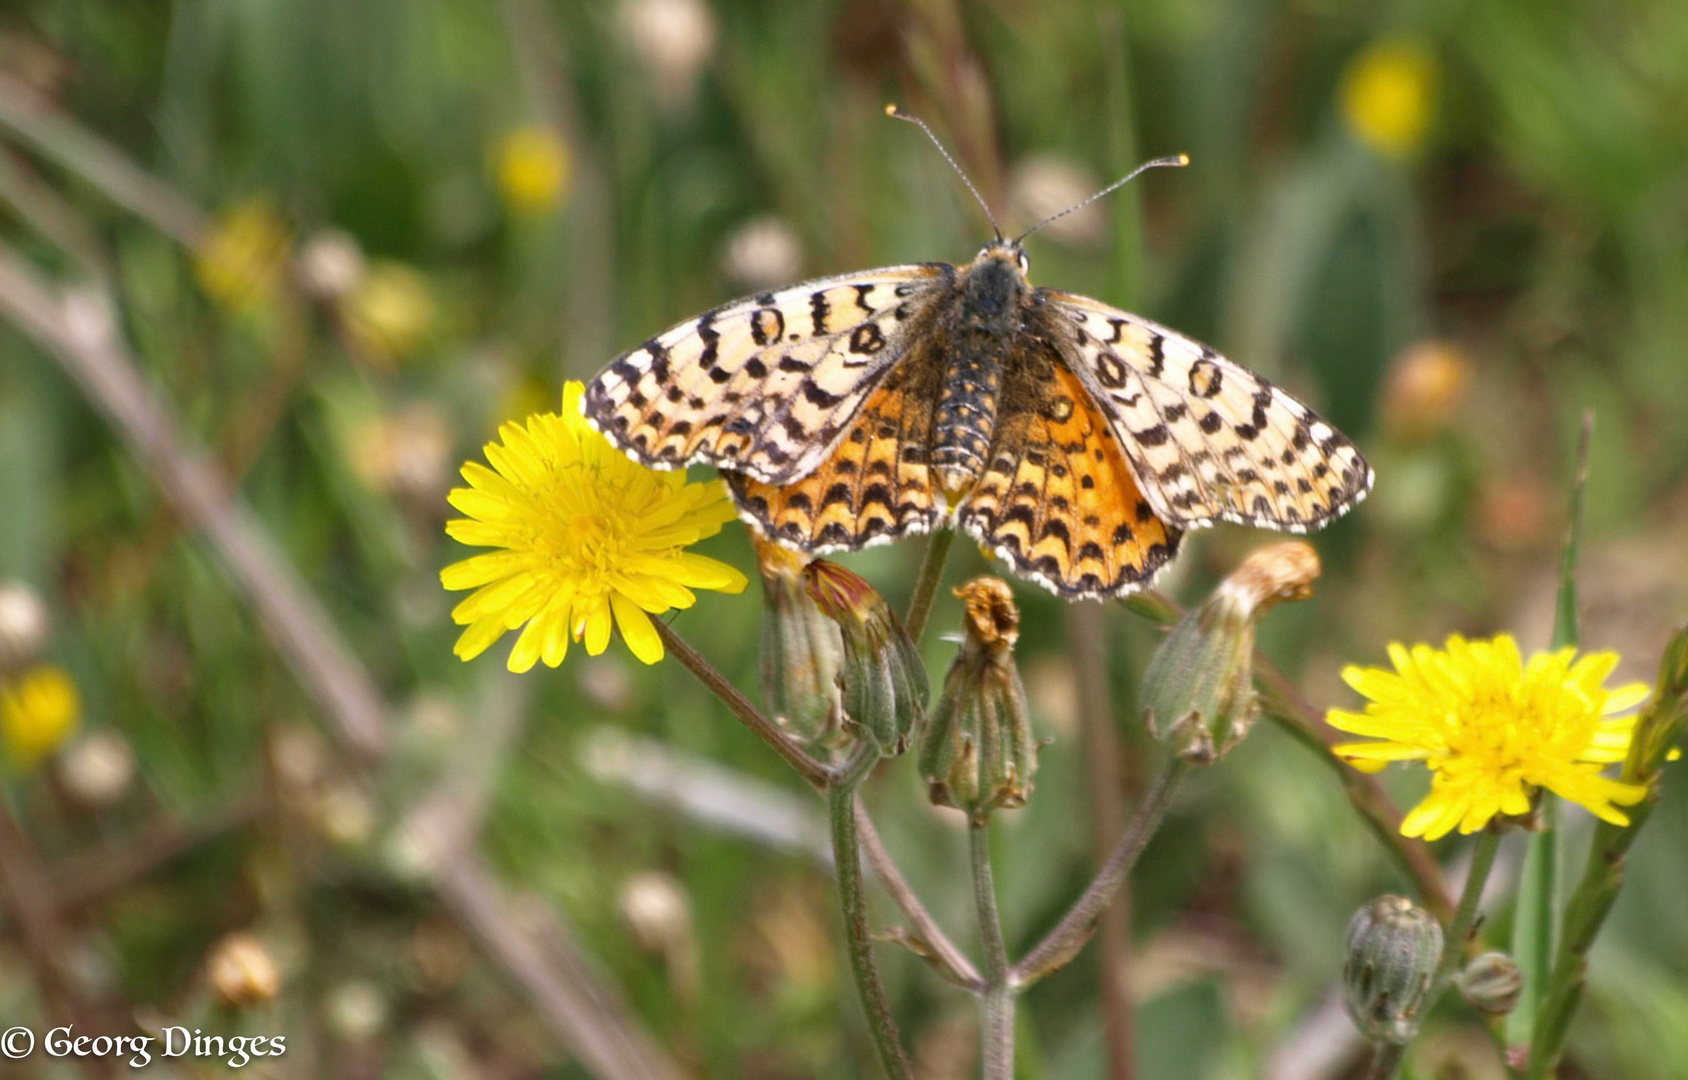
{"x":765,"y":385}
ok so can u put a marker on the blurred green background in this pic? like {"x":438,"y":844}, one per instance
{"x":363,"y":232}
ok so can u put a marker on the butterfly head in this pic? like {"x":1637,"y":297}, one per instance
{"x":995,"y":287}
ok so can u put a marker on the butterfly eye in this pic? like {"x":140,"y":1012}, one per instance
{"x":1025,"y":263}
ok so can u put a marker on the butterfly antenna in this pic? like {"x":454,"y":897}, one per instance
{"x":1176,"y":161}
{"x":898,"y":114}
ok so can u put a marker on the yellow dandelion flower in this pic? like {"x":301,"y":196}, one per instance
{"x":390,"y":312}
{"x":243,"y":260}
{"x":585,"y":536}
{"x":38,"y":711}
{"x":1388,"y":94}
{"x":533,"y":170}
{"x":1493,"y":729}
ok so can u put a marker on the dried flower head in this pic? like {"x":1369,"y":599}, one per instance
{"x":977,"y":753}
{"x":1198,"y":692}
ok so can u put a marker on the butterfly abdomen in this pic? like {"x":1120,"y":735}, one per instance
{"x":966,"y":413}
{"x":985,"y":324}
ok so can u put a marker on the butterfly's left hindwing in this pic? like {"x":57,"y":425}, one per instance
{"x":766,"y":385}
{"x":875,"y":487}
{"x":1208,"y":440}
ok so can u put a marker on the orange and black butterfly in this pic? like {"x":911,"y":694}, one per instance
{"x":1075,"y":440}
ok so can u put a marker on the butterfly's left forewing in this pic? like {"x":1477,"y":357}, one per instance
{"x":1208,"y":439}
{"x":767,"y":385}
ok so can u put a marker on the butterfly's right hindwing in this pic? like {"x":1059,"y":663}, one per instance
{"x":765,"y":385}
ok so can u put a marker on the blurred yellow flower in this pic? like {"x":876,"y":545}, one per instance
{"x":243,"y":260}
{"x":1388,"y":94}
{"x":1492,"y":729}
{"x":533,"y":170}
{"x":584,"y":535}
{"x":390,"y":313}
{"x":38,"y":711}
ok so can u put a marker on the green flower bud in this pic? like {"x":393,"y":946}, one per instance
{"x":977,"y":753}
{"x":1493,"y":983}
{"x":883,"y":679}
{"x":801,"y":649}
{"x":1393,"y":948}
{"x":1198,"y":693}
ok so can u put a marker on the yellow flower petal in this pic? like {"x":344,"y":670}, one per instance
{"x":1493,"y":728}
{"x":581,"y":540}
{"x":636,"y":629}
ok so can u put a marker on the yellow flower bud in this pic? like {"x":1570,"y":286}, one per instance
{"x":390,"y":313}
{"x":534,"y":170}
{"x":38,"y":711}
{"x":1388,"y":95}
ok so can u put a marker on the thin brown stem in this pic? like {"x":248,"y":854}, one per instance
{"x":944,"y":953}
{"x":852,"y":899}
{"x":817,"y":774}
{"x":1063,"y":943}
{"x":79,"y":327}
{"x":54,"y":135}
{"x":27,"y":890}
{"x":537,"y":951}
{"x":997,"y":1019}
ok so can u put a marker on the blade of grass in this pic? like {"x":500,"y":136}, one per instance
{"x":1538,"y":886}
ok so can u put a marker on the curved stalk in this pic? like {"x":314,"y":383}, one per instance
{"x":852,"y":900}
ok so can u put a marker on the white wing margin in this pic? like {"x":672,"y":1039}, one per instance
{"x":767,"y":384}
{"x":1207,"y":439}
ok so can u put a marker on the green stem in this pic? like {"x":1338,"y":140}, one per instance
{"x":1454,"y":941}
{"x":997,"y":1026}
{"x":926,"y":586}
{"x":1656,"y":730}
{"x":1387,"y":1057}
{"x":1064,"y":942}
{"x":852,"y":899}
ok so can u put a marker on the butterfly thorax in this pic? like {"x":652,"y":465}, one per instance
{"x":986,"y":323}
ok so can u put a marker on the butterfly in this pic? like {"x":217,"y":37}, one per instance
{"x":1076,"y":441}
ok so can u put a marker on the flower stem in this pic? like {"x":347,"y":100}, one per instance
{"x":1386,"y":1059}
{"x":997,"y":1027}
{"x":929,"y":941}
{"x":852,"y":899}
{"x":1656,"y":730}
{"x":1064,"y":942}
{"x":926,"y":586}
{"x":1454,"y":941}
{"x":1285,"y":706}
{"x":817,"y":774}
